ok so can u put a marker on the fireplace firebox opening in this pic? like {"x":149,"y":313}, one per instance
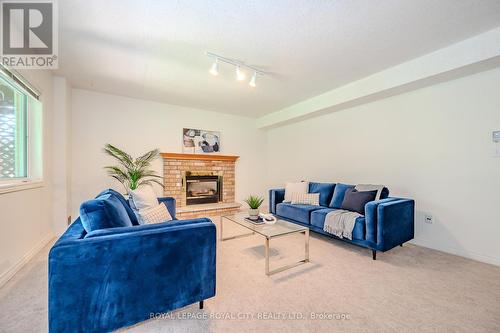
{"x":202,"y":189}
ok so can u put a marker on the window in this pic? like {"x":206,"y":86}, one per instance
{"x":13,"y":131}
{"x":21,"y":134}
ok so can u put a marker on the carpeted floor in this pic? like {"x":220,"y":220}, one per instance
{"x":407,"y":289}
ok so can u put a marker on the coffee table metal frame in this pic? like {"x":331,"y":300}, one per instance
{"x":239,"y":220}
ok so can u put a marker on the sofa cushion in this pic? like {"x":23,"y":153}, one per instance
{"x":355,"y":201}
{"x":325,"y":191}
{"x":130,"y":212}
{"x":300,"y":213}
{"x":318,"y":220}
{"x":103,"y":212}
{"x":338,"y":195}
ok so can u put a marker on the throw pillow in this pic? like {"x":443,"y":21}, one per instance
{"x":305,"y":199}
{"x":104,"y":212}
{"x":143,"y":197}
{"x":325,"y":191}
{"x":338,"y":195}
{"x":290,"y":188}
{"x":125,"y":203}
{"x":355,"y":201}
{"x":371,"y":187}
{"x":156,"y":214}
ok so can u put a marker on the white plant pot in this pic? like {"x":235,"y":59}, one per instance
{"x":254,"y":213}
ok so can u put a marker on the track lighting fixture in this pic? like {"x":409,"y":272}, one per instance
{"x":240,"y":67}
{"x":214,"y":70}
{"x":252,"y":80}
{"x":240,"y":75}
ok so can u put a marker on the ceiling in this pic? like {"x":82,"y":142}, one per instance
{"x":155,"y":50}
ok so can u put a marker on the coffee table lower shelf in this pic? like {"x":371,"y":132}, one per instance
{"x":280,"y":231}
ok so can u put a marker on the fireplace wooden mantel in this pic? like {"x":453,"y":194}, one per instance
{"x":199,"y":157}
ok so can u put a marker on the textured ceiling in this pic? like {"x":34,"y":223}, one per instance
{"x":156,"y":49}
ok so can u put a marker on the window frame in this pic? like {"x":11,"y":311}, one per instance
{"x":30,"y":180}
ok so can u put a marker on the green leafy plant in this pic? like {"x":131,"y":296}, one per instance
{"x":254,"y":201}
{"x":131,"y":172}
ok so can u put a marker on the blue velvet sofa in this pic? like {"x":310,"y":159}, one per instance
{"x":115,"y":277}
{"x":388,"y":222}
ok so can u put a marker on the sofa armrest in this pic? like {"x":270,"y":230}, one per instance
{"x":115,"y":280}
{"x":276,"y":196}
{"x":390,"y":222}
{"x":371,"y":214}
{"x":170,"y":203}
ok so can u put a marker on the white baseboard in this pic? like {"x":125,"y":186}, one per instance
{"x":7,"y":275}
{"x":459,"y":252}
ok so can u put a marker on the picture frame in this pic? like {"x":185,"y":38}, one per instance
{"x":199,"y":141}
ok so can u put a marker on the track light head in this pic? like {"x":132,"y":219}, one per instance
{"x":240,"y":75}
{"x":214,"y":70}
{"x":252,"y":81}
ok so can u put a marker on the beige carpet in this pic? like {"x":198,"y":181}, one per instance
{"x":407,"y":289}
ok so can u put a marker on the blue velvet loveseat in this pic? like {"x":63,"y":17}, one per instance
{"x":115,"y":277}
{"x":387,"y":222}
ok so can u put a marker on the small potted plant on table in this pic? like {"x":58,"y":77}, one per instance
{"x":254,"y":203}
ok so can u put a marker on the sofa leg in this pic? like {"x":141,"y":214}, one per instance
{"x":374,"y":255}
{"x":201,"y":305}
{"x":401,"y":244}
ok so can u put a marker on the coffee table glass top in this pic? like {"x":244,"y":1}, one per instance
{"x":279,"y":228}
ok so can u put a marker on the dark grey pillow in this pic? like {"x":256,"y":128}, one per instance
{"x":355,"y":200}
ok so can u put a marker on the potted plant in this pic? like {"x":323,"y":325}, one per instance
{"x":254,"y":203}
{"x":132,"y":172}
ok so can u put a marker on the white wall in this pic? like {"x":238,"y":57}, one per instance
{"x":433,"y":145}
{"x":26,"y":216}
{"x":138,"y":126}
{"x":61,"y":184}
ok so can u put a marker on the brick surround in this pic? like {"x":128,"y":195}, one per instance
{"x":175,"y":167}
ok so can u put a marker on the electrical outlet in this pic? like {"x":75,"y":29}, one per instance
{"x":496,"y":151}
{"x":496,"y":136}
{"x":429,"y":219}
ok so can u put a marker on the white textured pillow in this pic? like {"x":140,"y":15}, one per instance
{"x":290,"y":188}
{"x":156,"y":214}
{"x":305,"y":198}
{"x":143,"y":197}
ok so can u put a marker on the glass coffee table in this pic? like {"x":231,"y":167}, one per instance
{"x":269,"y":231}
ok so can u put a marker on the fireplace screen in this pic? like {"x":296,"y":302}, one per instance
{"x":203,"y":189}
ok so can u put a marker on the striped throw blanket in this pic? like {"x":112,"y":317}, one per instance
{"x":340,"y":223}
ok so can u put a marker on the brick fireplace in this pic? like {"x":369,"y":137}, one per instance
{"x":203,"y":185}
